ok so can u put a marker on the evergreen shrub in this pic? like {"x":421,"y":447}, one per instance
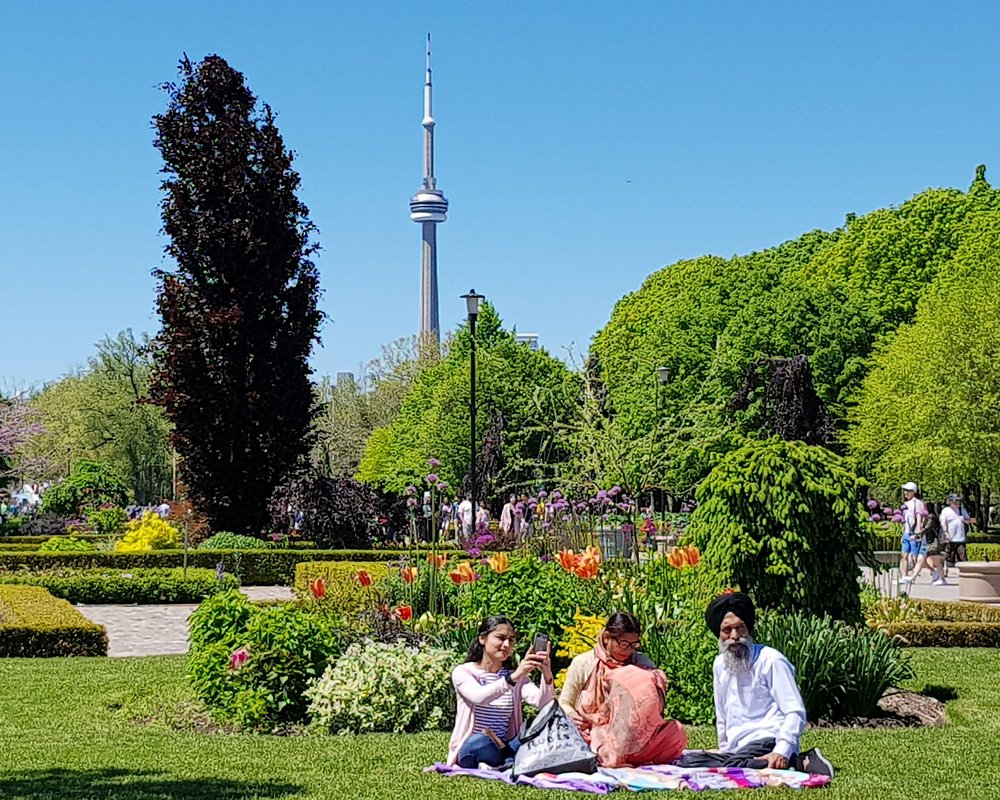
{"x":783,"y":521}
{"x":33,"y":623}
{"x":143,"y":586}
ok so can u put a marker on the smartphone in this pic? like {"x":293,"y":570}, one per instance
{"x":541,"y":644}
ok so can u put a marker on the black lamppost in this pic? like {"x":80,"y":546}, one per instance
{"x":662,"y":379}
{"x":472,"y":301}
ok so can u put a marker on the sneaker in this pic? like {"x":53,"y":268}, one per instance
{"x":814,"y":762}
{"x":905,"y":579}
{"x":940,"y":582}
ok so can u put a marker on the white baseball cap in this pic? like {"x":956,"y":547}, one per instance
{"x":909,"y":487}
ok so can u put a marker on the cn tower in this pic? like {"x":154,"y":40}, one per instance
{"x":429,"y":207}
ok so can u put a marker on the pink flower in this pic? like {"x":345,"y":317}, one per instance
{"x":238,"y":659}
{"x":873,"y":504}
{"x":433,"y":462}
{"x":432,"y":478}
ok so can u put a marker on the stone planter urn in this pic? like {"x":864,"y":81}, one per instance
{"x":979,"y":582}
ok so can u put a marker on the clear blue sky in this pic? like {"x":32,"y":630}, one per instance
{"x":581,"y":145}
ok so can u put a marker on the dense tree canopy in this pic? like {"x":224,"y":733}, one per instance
{"x":833,"y":297}
{"x":240,"y":311}
{"x":530,"y":389}
{"x":102,"y":413}
{"x":930,"y":408}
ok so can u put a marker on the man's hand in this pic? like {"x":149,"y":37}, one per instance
{"x":776,"y":761}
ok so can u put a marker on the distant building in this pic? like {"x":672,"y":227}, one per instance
{"x":529,"y":339}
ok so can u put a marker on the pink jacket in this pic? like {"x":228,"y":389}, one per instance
{"x":471,"y":693}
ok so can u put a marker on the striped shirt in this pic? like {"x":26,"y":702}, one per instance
{"x":496,"y":714}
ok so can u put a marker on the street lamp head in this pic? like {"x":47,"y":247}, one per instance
{"x":472,"y":302}
{"x":663,"y":373}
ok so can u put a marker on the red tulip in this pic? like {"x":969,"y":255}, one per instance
{"x":408,"y":574}
{"x":364,"y":578}
{"x":405,"y":613}
{"x":238,"y":658}
{"x":317,"y":587}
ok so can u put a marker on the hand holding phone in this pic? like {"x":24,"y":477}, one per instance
{"x":541,"y":644}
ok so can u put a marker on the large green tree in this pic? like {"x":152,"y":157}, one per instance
{"x":102,"y":413}
{"x":240,"y":310}
{"x":529,"y":389}
{"x":930,"y":408}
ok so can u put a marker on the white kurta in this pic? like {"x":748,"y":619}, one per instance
{"x":762,"y":703}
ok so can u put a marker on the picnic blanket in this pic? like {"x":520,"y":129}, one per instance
{"x":660,"y":776}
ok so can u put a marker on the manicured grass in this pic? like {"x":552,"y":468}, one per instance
{"x":60,"y":737}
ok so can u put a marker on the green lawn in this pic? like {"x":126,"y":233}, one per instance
{"x":60,"y":737}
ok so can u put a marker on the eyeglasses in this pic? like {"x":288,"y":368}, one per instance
{"x":625,"y":645}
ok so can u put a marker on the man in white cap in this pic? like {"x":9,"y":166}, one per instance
{"x":912,"y":545}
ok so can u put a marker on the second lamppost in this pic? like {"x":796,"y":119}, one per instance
{"x":472,"y":301}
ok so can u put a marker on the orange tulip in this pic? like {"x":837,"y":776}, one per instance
{"x":499,"y":562}
{"x":676,"y":558}
{"x":592,"y":553}
{"x":693,"y":556}
{"x":568,"y":560}
{"x":408,"y":574}
{"x":463,"y":573}
{"x":437,"y":561}
{"x":364,"y":578}
{"x":405,"y":613}
{"x":317,"y":588}
{"x":587,"y":568}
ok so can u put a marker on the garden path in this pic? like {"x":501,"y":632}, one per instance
{"x":158,"y":630}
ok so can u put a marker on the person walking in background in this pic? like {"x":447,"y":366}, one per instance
{"x":954,"y":520}
{"x":509,"y":521}
{"x":466,"y":518}
{"x":912,"y":546}
{"x":934,"y":548}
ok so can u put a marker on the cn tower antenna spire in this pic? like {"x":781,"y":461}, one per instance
{"x":429,"y":207}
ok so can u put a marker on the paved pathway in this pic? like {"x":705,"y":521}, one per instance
{"x":157,"y":630}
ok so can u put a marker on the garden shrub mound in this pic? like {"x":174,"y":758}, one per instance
{"x":945,"y":624}
{"x":342,"y":588}
{"x":34,"y":623}
{"x":171,"y":585}
{"x":224,"y":540}
{"x":983,"y":552}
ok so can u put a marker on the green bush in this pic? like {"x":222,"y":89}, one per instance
{"x":107,"y":521}
{"x":66,"y":544}
{"x":12,"y":526}
{"x":539,"y":596}
{"x":34,"y":623}
{"x":90,"y":485}
{"x":377,"y":687}
{"x":782,"y":520}
{"x":938,"y":611}
{"x":946,"y":634}
{"x":284,"y":647}
{"x":983,"y":552}
{"x":418,"y":593}
{"x":224,"y":540}
{"x":127,"y":586}
{"x":344,"y":594}
{"x":36,"y":541}
{"x":842,"y":670}
{"x":685,"y":651}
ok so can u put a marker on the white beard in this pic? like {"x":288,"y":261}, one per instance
{"x":736,"y":655}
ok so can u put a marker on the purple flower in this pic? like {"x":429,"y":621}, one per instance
{"x":565,"y":518}
{"x":897,"y":517}
{"x":442,"y":484}
{"x":875,"y":517}
{"x":546,"y":524}
{"x":433,"y":462}
{"x":624,"y":506}
{"x":532,"y":504}
{"x":546,"y":558}
{"x":431,"y":478}
{"x":581,"y":508}
{"x":543,"y":493}
{"x":411,"y":502}
{"x":411,"y":489}
{"x":873,"y":504}
{"x":886,"y":511}
{"x":557,"y":495}
{"x":602,"y":496}
{"x":627,"y":528}
{"x":474,"y":552}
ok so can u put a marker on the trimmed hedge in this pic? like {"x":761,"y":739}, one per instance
{"x":946,"y":634}
{"x":251,"y":567}
{"x":982,"y":552}
{"x":946,"y":611}
{"x":33,"y":623}
{"x":37,"y":540}
{"x":123,"y":586}
{"x":343,"y":591}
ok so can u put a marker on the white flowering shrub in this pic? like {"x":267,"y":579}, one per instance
{"x":376,"y":687}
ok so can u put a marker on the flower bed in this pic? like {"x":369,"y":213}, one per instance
{"x":169,"y":585}
{"x":34,"y":623}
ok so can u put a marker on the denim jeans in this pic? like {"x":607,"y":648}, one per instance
{"x":479,"y":748}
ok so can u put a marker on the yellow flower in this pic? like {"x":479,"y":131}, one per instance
{"x":499,"y":562}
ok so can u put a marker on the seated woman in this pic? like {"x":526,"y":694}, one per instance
{"x":489,"y":690}
{"x":616,"y":695}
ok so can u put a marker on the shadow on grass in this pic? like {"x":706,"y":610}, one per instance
{"x":943,"y":693}
{"x":123,"y":784}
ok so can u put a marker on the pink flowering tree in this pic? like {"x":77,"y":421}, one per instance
{"x":18,"y":423}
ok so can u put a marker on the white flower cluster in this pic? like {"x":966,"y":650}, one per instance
{"x":385,"y":688}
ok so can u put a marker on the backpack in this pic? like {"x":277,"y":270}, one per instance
{"x":552,"y":743}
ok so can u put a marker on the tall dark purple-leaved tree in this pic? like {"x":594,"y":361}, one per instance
{"x":239,"y":312}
